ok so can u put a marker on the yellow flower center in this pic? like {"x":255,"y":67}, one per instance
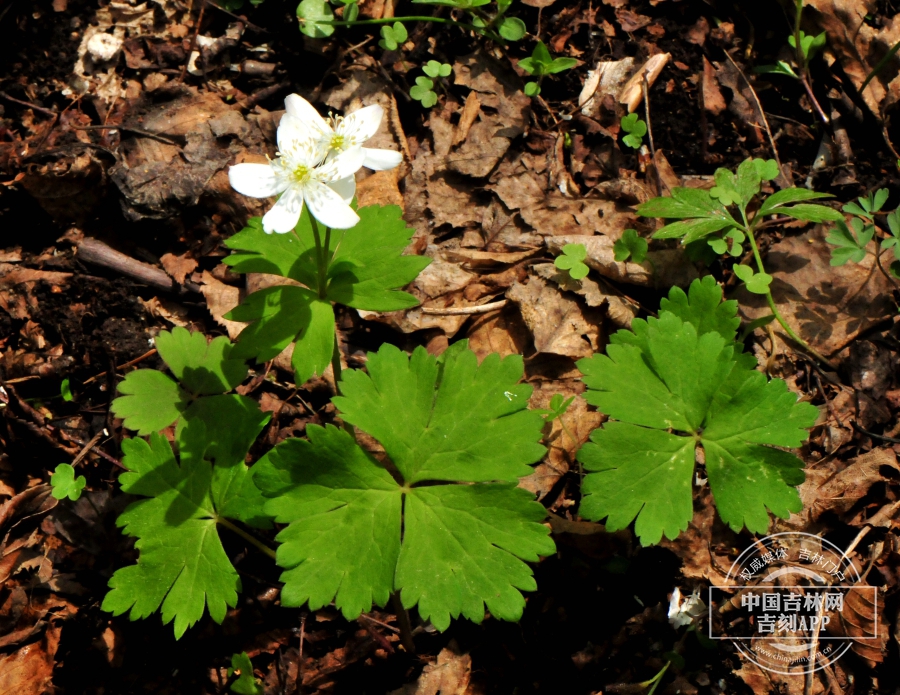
{"x":338,"y":142}
{"x":301,"y":174}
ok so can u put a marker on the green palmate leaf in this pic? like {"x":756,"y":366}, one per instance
{"x":151,"y":401}
{"x":812,"y":213}
{"x":315,"y":17}
{"x":463,"y":441}
{"x":676,"y":383}
{"x":367,"y":262}
{"x":774,"y":202}
{"x":284,"y":314}
{"x":245,"y":683}
{"x":65,"y":484}
{"x":572,"y":260}
{"x":699,"y":212}
{"x":630,"y":245}
{"x":850,"y":241}
{"x":182,"y":565}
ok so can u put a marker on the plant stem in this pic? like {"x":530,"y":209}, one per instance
{"x":890,"y":277}
{"x":406,"y":637}
{"x":259,"y":545}
{"x":336,"y":364}
{"x":790,"y":331}
{"x":320,"y":255}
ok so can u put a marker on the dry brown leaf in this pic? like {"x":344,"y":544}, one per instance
{"x":863,"y":620}
{"x":558,"y":325}
{"x":449,"y":675}
{"x":827,"y":305}
{"x":562,"y":443}
{"x":179,"y":267}
{"x":29,"y":671}
{"x":379,"y":188}
{"x":619,"y":310}
{"x":220,"y":299}
{"x":499,"y":331}
{"x":663,"y":268}
{"x":839,"y":492}
{"x":633,"y":91}
{"x":713,"y":101}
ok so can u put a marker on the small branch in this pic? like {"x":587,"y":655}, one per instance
{"x":133,"y":362}
{"x":87,"y":447}
{"x":259,"y":545}
{"x":644,"y":87}
{"x":96,"y":252}
{"x":812,"y":98}
{"x":762,"y":115}
{"x":37,"y":108}
{"x":99,"y":452}
{"x":466,"y":310}
{"x":890,"y":277}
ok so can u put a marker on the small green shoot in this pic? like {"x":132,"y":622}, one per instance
{"x":869,"y":204}
{"x":65,"y":390}
{"x":671,"y":385}
{"x":435,"y":69}
{"x":572,"y":260}
{"x":65,"y":484}
{"x":851,"y":239}
{"x":635,"y":130}
{"x":242,"y":670}
{"x":541,"y":64}
{"x":731,"y":212}
{"x":632,"y":246}
{"x":558,"y":407}
{"x":392,"y":37}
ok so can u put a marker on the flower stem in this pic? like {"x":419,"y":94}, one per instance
{"x":259,"y":545}
{"x":336,"y":363}
{"x":784,"y":324}
{"x":321,"y":255}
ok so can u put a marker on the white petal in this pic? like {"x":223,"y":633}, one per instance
{"x":379,"y":160}
{"x":346,"y":188}
{"x":345,"y":164}
{"x":255,"y":180}
{"x":292,"y":131}
{"x":299,"y":108}
{"x":360,"y":125}
{"x":285,"y":214}
{"x":327,"y":206}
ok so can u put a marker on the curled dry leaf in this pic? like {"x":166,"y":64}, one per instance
{"x":559,"y":325}
{"x":619,"y":309}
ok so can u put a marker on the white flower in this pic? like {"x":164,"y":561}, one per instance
{"x":304,"y":170}
{"x":684,"y":612}
{"x":344,"y":132}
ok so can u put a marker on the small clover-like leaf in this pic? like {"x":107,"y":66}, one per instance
{"x":242,"y":669}
{"x":674,"y":384}
{"x":766,"y":169}
{"x":512,"y":28}
{"x":315,"y":18}
{"x":572,"y":260}
{"x":65,"y":484}
{"x":635,"y":128}
{"x":393,"y":36}
{"x":423,"y":92}
{"x":464,"y":440}
{"x":630,"y":245}
{"x":532,"y":89}
{"x":434,"y":68}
